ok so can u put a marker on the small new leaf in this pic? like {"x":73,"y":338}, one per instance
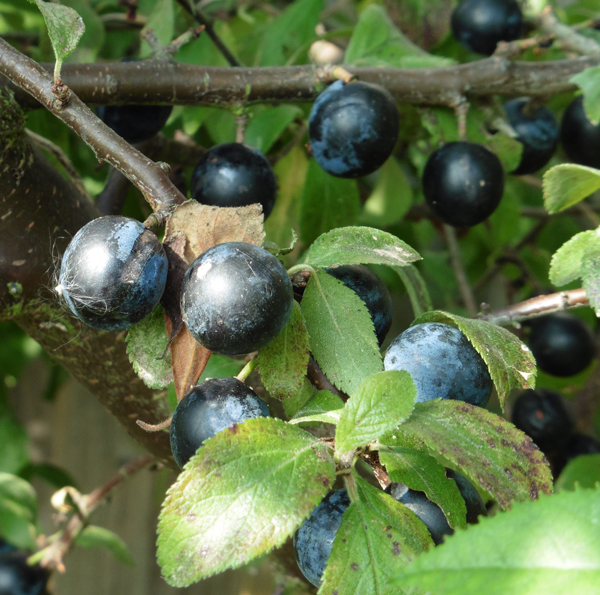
{"x":65,"y":28}
{"x":567,"y":184}
{"x":567,"y":261}
{"x":284,"y":360}
{"x":500,"y":459}
{"x":359,"y":245}
{"x":516,"y":552}
{"x":380,"y":403}
{"x":377,"y":535}
{"x":421,"y":472}
{"x":342,"y":335}
{"x":244,"y":493}
{"x":510,"y":362}
{"x":93,"y":536}
{"x":146,"y":343}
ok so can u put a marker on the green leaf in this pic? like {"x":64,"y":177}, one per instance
{"x":359,"y":245}
{"x":146,"y":344}
{"x":323,"y":406}
{"x":289,"y":33}
{"x":379,"y":404}
{"x":65,"y":28}
{"x":421,"y":472}
{"x":588,"y":81}
{"x":416,"y":289}
{"x":509,"y":361}
{"x":377,"y":535}
{"x":591,"y":278}
{"x":18,"y":511}
{"x":500,"y":459}
{"x":508,"y":150}
{"x":341,"y":331}
{"x":551,"y":546}
{"x":583,"y":470}
{"x":266,"y":127}
{"x":284,"y":360}
{"x":567,"y":261}
{"x":162,"y":21}
{"x":244,"y":492}
{"x":567,"y":184}
{"x":376,"y":41}
{"x":52,"y":474}
{"x":327,"y":203}
{"x":391,"y":198}
{"x":293,"y":405}
{"x":93,"y":536}
{"x":13,"y":444}
{"x":93,"y":37}
{"x":221,"y":366}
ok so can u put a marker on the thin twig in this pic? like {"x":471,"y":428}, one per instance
{"x":210,"y":30}
{"x":459,"y":272}
{"x":53,"y":555}
{"x":570,"y":39}
{"x":152,"y":181}
{"x":538,"y":306}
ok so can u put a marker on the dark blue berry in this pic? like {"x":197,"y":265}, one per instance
{"x":463,"y":183}
{"x":18,"y":578}
{"x":353,"y":128}
{"x":562,"y":344}
{"x":236,"y":298}
{"x":473,"y":501}
{"x":313,"y":541}
{"x":212,"y":406}
{"x":371,"y":290}
{"x":442,"y":363}
{"x":579,"y":137}
{"x":113,"y":273}
{"x":135,"y":123}
{"x":234,"y":175}
{"x":480,"y":24}
{"x":538,"y":132}
{"x":543,"y":416}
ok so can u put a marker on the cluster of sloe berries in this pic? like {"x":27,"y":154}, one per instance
{"x":16,"y":576}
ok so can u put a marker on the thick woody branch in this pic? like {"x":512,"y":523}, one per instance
{"x":186,"y":84}
{"x":538,"y":306}
{"x":108,"y":146}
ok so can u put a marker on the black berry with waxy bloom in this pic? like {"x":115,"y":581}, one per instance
{"x":543,"y":416}
{"x":18,"y":578}
{"x":113,"y":273}
{"x":135,"y":123}
{"x":537,"y":132}
{"x":236,"y":298}
{"x":208,"y":408}
{"x":473,"y":501}
{"x":562,"y":344}
{"x":371,"y":290}
{"x":353,"y":128}
{"x":234,"y":175}
{"x":442,"y":363}
{"x":463,"y":183}
{"x":480,"y":24}
{"x":313,"y":541}
{"x":580,"y":138}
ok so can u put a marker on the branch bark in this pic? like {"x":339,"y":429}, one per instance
{"x":185,"y":84}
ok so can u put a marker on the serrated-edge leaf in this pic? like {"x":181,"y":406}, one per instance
{"x":341,"y":332}
{"x":380,"y":403}
{"x":510,"y":362}
{"x":420,"y":471}
{"x":496,"y":456}
{"x":283,"y":362}
{"x":377,"y":535}
{"x":588,"y":80}
{"x":93,"y":536}
{"x":359,"y":245}
{"x":244,"y":492}
{"x":590,"y":273}
{"x":566,"y":262}
{"x":146,"y":343}
{"x":551,"y":546}
{"x":567,"y":184}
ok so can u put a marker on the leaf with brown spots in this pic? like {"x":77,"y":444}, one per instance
{"x":191,"y":230}
{"x":378,"y":536}
{"x":241,"y":495}
{"x":496,"y":456}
